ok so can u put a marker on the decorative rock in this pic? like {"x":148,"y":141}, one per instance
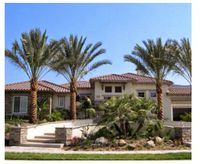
{"x":150,"y":144}
{"x":170,"y":142}
{"x":131,"y":146}
{"x":101,"y":140}
{"x":158,"y":140}
{"x":121,"y":142}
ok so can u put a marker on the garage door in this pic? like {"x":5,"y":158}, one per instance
{"x":179,"y":111}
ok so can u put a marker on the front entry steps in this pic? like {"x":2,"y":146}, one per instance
{"x":47,"y":140}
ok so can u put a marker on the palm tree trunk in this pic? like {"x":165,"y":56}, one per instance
{"x":73,"y":100}
{"x":34,"y":88}
{"x":159,"y":99}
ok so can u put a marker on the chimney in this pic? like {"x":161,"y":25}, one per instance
{"x":140,"y":72}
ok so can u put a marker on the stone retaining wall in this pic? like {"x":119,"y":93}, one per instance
{"x":66,"y":134}
{"x":64,"y":131}
{"x":183,"y":133}
{"x":18,"y":135}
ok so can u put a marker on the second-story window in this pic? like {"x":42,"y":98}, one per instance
{"x":118,"y":89}
{"x":141,"y":94}
{"x":108,"y":89}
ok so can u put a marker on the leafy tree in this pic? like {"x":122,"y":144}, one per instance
{"x":32,"y":56}
{"x":156,"y":60}
{"x":74,"y":61}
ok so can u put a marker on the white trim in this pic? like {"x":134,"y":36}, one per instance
{"x":181,"y":105}
{"x":59,"y":106}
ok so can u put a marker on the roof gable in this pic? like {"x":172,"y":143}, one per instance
{"x":111,"y":78}
{"x":43,"y":86}
{"x":79,"y":85}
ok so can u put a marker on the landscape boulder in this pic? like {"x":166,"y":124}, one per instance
{"x":150,"y":143}
{"x":121,"y":142}
{"x":158,"y":140}
{"x":131,"y":146}
{"x":101,"y":140}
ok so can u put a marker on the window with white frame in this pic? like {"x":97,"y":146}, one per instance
{"x":20,"y":104}
{"x":141,"y":93}
{"x":152,"y":93}
{"x":61,"y":101}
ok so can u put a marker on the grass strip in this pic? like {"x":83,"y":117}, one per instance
{"x":47,"y":156}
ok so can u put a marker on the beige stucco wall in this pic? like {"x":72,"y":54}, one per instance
{"x":85,"y":92}
{"x":133,"y":88}
{"x":67,"y":100}
{"x":99,"y":93}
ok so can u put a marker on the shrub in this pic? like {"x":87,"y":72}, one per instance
{"x":16,"y":121}
{"x":42,"y":108}
{"x":55,"y":116}
{"x":84,"y":104}
{"x":91,"y":112}
{"x":186,"y":117}
{"x":154,"y":128}
{"x":64,"y":112}
{"x":104,"y":132}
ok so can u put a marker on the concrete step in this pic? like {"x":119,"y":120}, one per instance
{"x":49,"y":134}
{"x":45,"y":137}
{"x":47,"y":145}
{"x":42,"y":140}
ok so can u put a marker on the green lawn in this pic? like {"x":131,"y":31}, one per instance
{"x":45,"y":156}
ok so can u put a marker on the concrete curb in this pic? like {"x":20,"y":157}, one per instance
{"x":20,"y":149}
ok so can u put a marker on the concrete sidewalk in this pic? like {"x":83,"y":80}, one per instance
{"x":61,"y":151}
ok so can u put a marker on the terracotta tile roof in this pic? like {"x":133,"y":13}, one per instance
{"x":43,"y":86}
{"x":111,"y":78}
{"x":139,"y":78}
{"x":144,"y":79}
{"x":80,"y":85}
{"x":127,"y":77}
{"x":179,"y":90}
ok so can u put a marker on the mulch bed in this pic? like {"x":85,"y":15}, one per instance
{"x":139,"y":145}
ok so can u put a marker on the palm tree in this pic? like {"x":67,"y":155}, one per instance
{"x":32,"y":56}
{"x":183,"y":66}
{"x":74,"y":61}
{"x":156,"y":60}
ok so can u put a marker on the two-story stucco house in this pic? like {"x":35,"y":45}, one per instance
{"x":176,"y":99}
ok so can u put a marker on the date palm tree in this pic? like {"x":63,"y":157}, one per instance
{"x":32,"y":56}
{"x":156,"y":60}
{"x":74,"y":61}
{"x":183,"y":66}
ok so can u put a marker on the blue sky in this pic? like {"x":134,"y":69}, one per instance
{"x":118,"y":26}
